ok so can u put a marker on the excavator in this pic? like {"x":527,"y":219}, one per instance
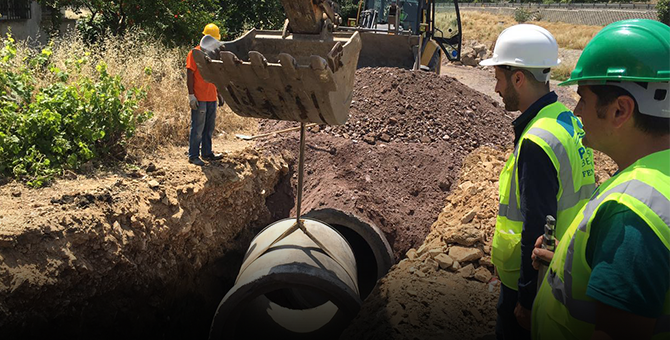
{"x":409,"y":34}
{"x":305,"y":72}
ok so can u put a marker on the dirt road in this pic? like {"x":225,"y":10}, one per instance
{"x":483,"y":80}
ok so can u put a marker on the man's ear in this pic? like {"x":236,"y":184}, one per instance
{"x":625,"y":108}
{"x":518,"y":79}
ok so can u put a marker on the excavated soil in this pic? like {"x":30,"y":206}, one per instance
{"x":444,"y":289}
{"x":395,"y":160}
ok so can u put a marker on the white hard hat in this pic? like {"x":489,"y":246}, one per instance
{"x":525,"y":46}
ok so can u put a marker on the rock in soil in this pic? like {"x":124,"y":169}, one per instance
{"x":449,"y":305}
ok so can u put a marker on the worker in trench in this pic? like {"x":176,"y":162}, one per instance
{"x":550,"y":172}
{"x":202,"y":98}
{"x":610,"y":275}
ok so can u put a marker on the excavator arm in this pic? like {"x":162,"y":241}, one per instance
{"x":308,"y":16}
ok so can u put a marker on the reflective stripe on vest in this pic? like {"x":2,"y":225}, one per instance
{"x":643,"y":199}
{"x":509,"y":224}
{"x":569,"y":198}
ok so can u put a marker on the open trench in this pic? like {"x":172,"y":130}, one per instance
{"x":379,"y":220}
{"x":111,"y":261}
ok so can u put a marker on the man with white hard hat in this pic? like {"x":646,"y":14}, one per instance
{"x":550,"y":172}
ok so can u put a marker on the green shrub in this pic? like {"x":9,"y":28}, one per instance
{"x":663,"y":8}
{"x":64,"y":124}
{"x":521,"y":15}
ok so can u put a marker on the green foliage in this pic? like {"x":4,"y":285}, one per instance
{"x":71,"y":121}
{"x":348,"y":9}
{"x":521,"y":15}
{"x":243,"y":14}
{"x":663,"y":8}
{"x":179,"y":22}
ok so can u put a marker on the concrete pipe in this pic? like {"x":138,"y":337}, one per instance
{"x":293,"y":289}
{"x":374,"y":255}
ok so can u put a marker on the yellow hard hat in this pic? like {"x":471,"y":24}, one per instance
{"x":212,"y":30}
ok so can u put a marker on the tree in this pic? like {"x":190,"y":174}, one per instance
{"x":348,"y":9}
{"x":178,"y":21}
{"x":243,"y":14}
{"x":663,"y":11}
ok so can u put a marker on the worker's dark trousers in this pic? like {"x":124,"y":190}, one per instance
{"x":507,"y":328}
{"x":202,"y":129}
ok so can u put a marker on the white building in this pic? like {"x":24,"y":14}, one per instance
{"x":27,"y":19}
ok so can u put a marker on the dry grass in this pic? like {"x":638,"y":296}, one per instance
{"x":570,"y":36}
{"x":144,"y":62}
{"x":562,"y":71}
{"x":485,"y":28}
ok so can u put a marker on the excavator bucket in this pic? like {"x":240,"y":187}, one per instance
{"x":297,"y":77}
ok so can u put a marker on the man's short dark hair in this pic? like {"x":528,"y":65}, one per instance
{"x":509,"y":70}
{"x":657,"y":126}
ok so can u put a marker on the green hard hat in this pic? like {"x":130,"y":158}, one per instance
{"x":636,"y":50}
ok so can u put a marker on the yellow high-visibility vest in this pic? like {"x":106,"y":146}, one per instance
{"x":559,"y":133}
{"x":562,"y":310}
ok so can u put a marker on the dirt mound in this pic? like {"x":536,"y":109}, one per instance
{"x":405,"y":106}
{"x":397,"y":105}
{"x":143,"y":253}
{"x":396,"y":158}
{"x":443,"y":290}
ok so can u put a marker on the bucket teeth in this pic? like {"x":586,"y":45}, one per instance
{"x":323,"y":72}
{"x":335,"y":57}
{"x":289,"y":66}
{"x":297,"y":79}
{"x":259,"y":64}
{"x":226,"y":55}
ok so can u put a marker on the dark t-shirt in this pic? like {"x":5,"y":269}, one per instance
{"x":630,"y":264}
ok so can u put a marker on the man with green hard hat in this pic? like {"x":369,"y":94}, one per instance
{"x":610,"y":275}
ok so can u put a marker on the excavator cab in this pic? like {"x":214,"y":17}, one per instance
{"x":447,"y":30}
{"x":409,"y":33}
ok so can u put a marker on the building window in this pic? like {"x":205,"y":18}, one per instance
{"x":15,"y":9}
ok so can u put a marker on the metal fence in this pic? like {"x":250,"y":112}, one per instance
{"x":15,"y":9}
{"x":604,"y":5}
